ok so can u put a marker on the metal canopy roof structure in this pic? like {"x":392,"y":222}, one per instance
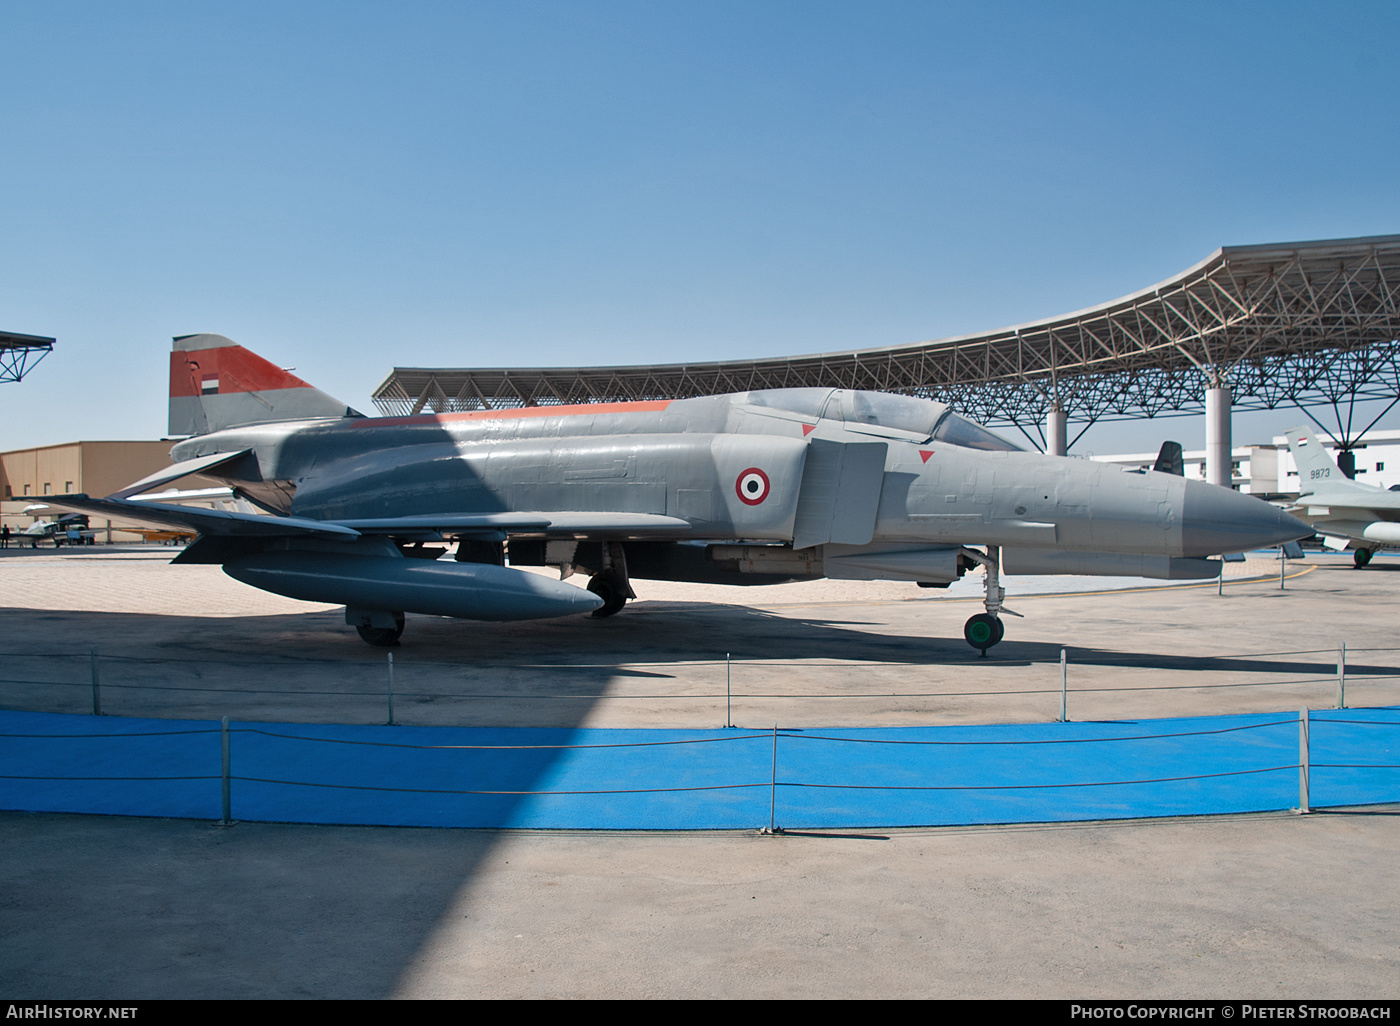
{"x":1302,"y":323}
{"x":19,"y":353}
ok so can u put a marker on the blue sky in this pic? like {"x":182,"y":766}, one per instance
{"x":346,"y":186}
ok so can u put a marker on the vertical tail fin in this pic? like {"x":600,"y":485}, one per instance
{"x":1315,"y":466}
{"x":216,"y":383}
{"x":1169,"y":459}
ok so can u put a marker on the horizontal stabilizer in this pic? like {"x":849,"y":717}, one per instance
{"x":177,"y":471}
{"x":203,"y":521}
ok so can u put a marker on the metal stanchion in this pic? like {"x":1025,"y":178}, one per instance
{"x":1064,"y":686}
{"x":391,"y":689}
{"x":1303,"y":796}
{"x":773,"y":788}
{"x":228,"y":818}
{"x":1341,"y":675}
{"x":728,"y":696}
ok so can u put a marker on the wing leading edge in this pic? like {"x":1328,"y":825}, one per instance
{"x":223,"y":523}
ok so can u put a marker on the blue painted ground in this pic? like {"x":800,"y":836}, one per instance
{"x":691,"y":780}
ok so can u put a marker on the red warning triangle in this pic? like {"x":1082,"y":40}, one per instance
{"x":807,"y":429}
{"x":925,"y":453}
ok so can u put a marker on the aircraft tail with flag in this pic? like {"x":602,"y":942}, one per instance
{"x":216,"y":383}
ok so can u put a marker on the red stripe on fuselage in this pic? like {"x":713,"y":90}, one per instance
{"x":517,"y":412}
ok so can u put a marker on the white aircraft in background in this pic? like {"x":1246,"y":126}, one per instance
{"x":1346,"y":513}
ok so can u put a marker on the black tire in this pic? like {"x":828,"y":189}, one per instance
{"x":383,"y":637}
{"x":983,"y":631}
{"x":609,"y":587}
{"x":1361,"y":557}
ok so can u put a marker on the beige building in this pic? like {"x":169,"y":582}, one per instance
{"x":95,"y":468}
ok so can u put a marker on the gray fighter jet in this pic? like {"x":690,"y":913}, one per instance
{"x":1346,"y":512}
{"x":750,"y":488}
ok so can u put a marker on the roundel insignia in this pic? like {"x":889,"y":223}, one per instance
{"x":752,"y":486}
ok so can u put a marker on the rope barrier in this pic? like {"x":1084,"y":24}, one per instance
{"x":773,"y":782}
{"x":1030,"y":787}
{"x":501,"y":748}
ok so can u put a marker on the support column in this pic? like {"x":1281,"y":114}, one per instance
{"x":1056,"y":432}
{"x":1218,"y":442}
{"x":1346,"y":462}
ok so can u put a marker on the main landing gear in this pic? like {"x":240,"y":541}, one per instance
{"x":1361,"y":557}
{"x":986,"y":629}
{"x":382,"y":630}
{"x":611,"y":583}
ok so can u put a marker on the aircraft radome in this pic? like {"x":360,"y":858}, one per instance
{"x":751,"y":488}
{"x":1345,"y":512}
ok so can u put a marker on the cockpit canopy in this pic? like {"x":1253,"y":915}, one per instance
{"x":969,"y":434}
{"x":926,"y":419}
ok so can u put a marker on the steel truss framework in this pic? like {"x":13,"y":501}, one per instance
{"x":19,"y":354}
{"x":1306,"y":323}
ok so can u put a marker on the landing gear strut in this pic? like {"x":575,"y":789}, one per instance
{"x":611,"y":583}
{"x":986,"y":629}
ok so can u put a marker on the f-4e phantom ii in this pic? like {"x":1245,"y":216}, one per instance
{"x":1345,"y":512}
{"x":751,"y":488}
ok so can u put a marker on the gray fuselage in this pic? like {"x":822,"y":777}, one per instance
{"x":843,"y":469}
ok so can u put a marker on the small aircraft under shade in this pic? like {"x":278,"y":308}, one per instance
{"x":750,"y":488}
{"x":71,"y":529}
{"x":1347,"y":513}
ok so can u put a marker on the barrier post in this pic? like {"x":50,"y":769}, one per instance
{"x":728,"y":697}
{"x":224,"y":745}
{"x":391,"y":689}
{"x":1064,"y":686}
{"x":1341,"y":675}
{"x":96,"y":687}
{"x":1303,"y":795}
{"x":773,"y":786}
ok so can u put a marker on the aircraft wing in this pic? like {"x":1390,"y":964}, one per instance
{"x":214,"y":522}
{"x":644,"y":525}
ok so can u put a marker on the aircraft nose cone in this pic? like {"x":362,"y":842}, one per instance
{"x":1217,"y":520}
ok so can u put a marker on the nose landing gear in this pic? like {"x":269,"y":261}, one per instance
{"x":983,"y":631}
{"x":986,"y":629}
